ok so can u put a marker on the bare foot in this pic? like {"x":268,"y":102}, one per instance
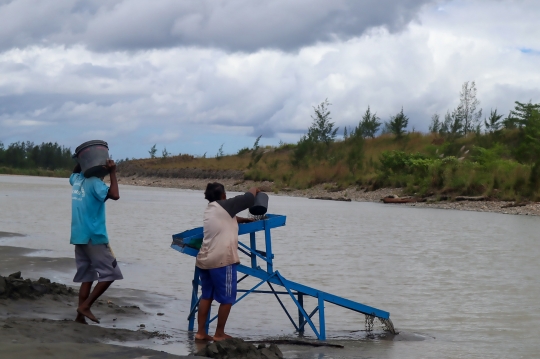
{"x":87,"y":313}
{"x":221,"y":337}
{"x":203,"y":337}
{"x":80,"y":319}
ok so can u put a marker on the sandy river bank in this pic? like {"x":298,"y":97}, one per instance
{"x":37,"y":326}
{"x":328,"y":191}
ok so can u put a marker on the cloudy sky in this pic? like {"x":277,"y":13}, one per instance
{"x":192,"y":75}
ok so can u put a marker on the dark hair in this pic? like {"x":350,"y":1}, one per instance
{"x":214,"y":192}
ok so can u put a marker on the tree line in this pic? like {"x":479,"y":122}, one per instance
{"x":464,"y":120}
{"x":28,"y":155}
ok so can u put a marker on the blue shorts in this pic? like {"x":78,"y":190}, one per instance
{"x":219,"y":284}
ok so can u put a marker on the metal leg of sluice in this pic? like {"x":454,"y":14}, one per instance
{"x":269,"y":255}
{"x":304,"y":314}
{"x":194,"y":299}
{"x":322,"y":324}
{"x":253,"y":244}
{"x":300,"y":316}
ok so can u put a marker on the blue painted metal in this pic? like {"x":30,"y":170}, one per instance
{"x":322,"y":323}
{"x":189,"y":242}
{"x":300,"y":316}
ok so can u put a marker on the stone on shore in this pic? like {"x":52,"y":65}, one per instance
{"x":238,"y":348}
{"x":15,"y":286}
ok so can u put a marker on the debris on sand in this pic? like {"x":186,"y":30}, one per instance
{"x":15,"y":286}
{"x":238,"y":348}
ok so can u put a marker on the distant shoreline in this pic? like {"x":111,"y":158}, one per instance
{"x":328,"y":192}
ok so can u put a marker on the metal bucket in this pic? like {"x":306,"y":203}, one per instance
{"x":93,"y":156}
{"x":261,"y":204}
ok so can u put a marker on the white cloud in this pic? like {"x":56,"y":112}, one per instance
{"x":176,"y":95}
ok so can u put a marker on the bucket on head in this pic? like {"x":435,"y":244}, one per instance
{"x":261,"y":204}
{"x":93,"y":156}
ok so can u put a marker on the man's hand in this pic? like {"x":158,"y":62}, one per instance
{"x":254,"y":190}
{"x":111,"y":166}
{"x":244,"y":220}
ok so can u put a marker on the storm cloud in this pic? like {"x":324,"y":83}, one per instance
{"x":193,"y":75}
{"x":233,"y":25}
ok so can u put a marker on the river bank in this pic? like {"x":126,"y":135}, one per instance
{"x":332,"y":192}
{"x":36,"y":316}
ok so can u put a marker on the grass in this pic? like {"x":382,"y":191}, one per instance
{"x":35,"y":172}
{"x":421,"y":164}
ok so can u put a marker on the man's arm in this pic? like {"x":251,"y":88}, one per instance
{"x":239,"y":203}
{"x":253,"y":191}
{"x":114,"y":193}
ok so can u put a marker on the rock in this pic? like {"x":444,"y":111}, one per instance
{"x":161,"y":314}
{"x":268,"y":354}
{"x":274,"y":348}
{"x":15,"y":287}
{"x":142,"y":326}
{"x":238,"y":348}
{"x":40,"y":288}
{"x":16,"y":275}
{"x":469,"y":198}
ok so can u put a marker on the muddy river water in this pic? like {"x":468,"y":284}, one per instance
{"x":457,"y":284}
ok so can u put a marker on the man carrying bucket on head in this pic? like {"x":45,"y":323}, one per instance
{"x":93,"y":255}
{"x":218,"y":256}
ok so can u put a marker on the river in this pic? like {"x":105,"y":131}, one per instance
{"x":457,"y":284}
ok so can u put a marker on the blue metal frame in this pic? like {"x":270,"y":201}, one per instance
{"x":187,"y":242}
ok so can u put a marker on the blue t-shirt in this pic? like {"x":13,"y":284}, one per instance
{"x":88,"y":210}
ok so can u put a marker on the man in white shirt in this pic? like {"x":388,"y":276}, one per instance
{"x":218,"y":256}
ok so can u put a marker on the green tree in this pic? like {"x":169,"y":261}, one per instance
{"x":493,"y":123}
{"x":435,"y":125}
{"x":397,"y":124}
{"x":521,"y":113}
{"x":220,"y":153}
{"x":528,"y":149}
{"x":322,"y":130}
{"x":256,"y":153}
{"x":2,"y":155}
{"x":369,"y":125}
{"x":467,"y":112}
{"x":164,"y":153}
{"x":153,"y":151}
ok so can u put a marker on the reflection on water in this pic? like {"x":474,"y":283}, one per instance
{"x":464,"y":283}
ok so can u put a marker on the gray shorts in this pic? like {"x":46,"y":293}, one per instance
{"x":95,"y":262}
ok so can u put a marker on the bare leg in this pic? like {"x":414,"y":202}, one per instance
{"x":84,"y":308}
{"x":223,"y":315}
{"x":204,"y":307}
{"x":84,"y":292}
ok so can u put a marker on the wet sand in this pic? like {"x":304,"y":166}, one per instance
{"x":44,"y":327}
